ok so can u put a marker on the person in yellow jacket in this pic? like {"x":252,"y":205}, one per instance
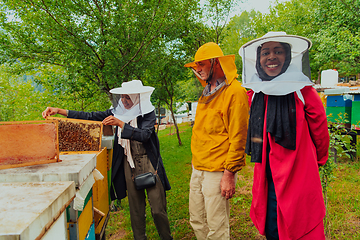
{"x":217,"y":143}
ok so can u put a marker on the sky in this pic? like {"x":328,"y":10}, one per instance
{"x":257,"y":5}
{"x":248,"y":5}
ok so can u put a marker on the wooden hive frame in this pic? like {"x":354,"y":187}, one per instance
{"x":26,"y":143}
{"x":78,"y":136}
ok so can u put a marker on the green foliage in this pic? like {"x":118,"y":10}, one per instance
{"x":238,"y":32}
{"x":22,"y":99}
{"x":80,"y":48}
{"x":191,"y":88}
{"x":211,"y":22}
{"x":167,"y":79}
{"x":216,"y":13}
{"x":99,"y":44}
{"x":327,"y":176}
{"x":338,"y":37}
{"x":340,"y":139}
{"x":339,"y":147}
{"x":19,"y":99}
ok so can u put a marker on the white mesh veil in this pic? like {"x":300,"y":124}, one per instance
{"x":139,"y":103}
{"x":294,"y":78}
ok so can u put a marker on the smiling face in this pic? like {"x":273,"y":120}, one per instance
{"x":126,"y":100}
{"x":272,"y":58}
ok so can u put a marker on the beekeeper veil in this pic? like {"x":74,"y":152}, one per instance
{"x":295,"y":73}
{"x":131,"y":100}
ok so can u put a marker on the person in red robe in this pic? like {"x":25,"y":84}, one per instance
{"x":287,"y":138}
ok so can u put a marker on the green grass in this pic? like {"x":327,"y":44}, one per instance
{"x":343,"y":209}
{"x":344,"y":202}
{"x":177,"y":162}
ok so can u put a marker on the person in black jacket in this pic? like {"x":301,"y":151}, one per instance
{"x":136,"y":151}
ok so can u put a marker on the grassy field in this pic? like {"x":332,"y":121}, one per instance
{"x":343,"y":209}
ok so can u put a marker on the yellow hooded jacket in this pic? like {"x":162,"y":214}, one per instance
{"x":220,"y":129}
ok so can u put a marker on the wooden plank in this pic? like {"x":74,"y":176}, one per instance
{"x":98,"y":216}
{"x":100,"y":188}
{"x":85,"y":220}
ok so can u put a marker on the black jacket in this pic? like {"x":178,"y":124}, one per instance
{"x":145,"y":133}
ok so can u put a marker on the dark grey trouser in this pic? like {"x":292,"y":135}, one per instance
{"x":137,"y":199}
{"x":271,"y":227}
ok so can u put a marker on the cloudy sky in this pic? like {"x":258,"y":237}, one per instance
{"x":258,"y":5}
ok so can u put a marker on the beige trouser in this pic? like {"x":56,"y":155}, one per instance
{"x":209,"y":211}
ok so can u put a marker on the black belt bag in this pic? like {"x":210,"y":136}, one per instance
{"x":146,"y":180}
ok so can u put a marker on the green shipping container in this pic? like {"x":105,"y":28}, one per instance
{"x":334,"y":113}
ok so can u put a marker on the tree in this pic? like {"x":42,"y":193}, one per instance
{"x":216,"y":14}
{"x":98,"y":43}
{"x":338,"y":37}
{"x":238,"y":32}
{"x":12,"y":106}
{"x":208,"y":26}
{"x":167,"y":77}
{"x":292,"y":17}
{"x":23,"y":100}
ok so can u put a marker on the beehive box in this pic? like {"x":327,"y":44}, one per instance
{"x":338,"y":101}
{"x":334,"y":114}
{"x":35,"y":210}
{"x":78,"y":135}
{"x":355,"y":115}
{"x":28,"y":143}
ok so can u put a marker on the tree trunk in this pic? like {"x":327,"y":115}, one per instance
{"x":318,"y":81}
{"x":175,"y":124}
{"x":159,"y":119}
